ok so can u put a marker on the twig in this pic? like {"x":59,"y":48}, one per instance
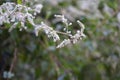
{"x":13,"y":61}
{"x":62,"y":33}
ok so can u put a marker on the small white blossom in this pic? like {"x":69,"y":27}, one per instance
{"x":70,"y":24}
{"x":38,"y":8}
{"x":74,"y":38}
{"x":64,"y":20}
{"x":64,"y":43}
{"x":37,"y":29}
{"x":48,"y":30}
{"x":17,"y":13}
{"x":7,"y":75}
{"x":81,"y":25}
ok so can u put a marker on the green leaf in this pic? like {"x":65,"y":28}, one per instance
{"x":19,"y":1}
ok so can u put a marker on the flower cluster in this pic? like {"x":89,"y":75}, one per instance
{"x":15,"y":14}
{"x":65,"y":21}
{"x":72,"y":38}
{"x":48,"y":30}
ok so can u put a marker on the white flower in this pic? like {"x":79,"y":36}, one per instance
{"x":64,"y":43}
{"x":7,"y":75}
{"x":38,"y":8}
{"x":13,"y":14}
{"x":37,"y":29}
{"x":64,"y":20}
{"x":48,"y":30}
{"x":74,"y":38}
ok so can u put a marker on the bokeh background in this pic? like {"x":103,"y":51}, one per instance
{"x":95,"y":58}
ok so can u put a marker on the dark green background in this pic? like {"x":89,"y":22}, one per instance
{"x":95,"y":58}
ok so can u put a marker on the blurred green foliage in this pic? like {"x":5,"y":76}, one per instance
{"x":95,"y":58}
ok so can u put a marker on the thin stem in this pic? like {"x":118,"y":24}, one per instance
{"x":13,"y":61}
{"x":62,"y":33}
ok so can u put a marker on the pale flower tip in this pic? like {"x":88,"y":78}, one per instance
{"x":20,"y":29}
{"x":80,"y":24}
{"x":55,"y":15}
{"x":36,"y":34}
{"x":57,"y":47}
{"x":25,"y":27}
{"x":42,"y":22}
{"x":78,"y":21}
{"x":70,"y":24}
{"x":58,"y":16}
{"x":84,"y":36}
